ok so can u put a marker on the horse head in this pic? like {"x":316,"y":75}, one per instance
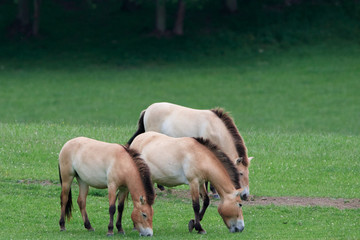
{"x":230,"y":209}
{"x":142,"y":216}
{"x":244,"y":177}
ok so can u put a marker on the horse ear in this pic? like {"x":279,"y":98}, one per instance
{"x":239,"y":160}
{"x":142,"y":200}
{"x":251,"y":158}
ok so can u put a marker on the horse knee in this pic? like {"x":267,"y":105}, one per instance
{"x":112,"y":210}
{"x":81,"y":203}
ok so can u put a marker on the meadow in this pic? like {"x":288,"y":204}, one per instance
{"x":296,"y":102}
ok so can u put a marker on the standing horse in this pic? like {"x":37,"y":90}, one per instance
{"x":105,"y":165}
{"x":177,"y":161}
{"x":215,"y":125}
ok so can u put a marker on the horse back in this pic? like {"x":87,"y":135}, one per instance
{"x":179,"y":121}
{"x":95,"y":162}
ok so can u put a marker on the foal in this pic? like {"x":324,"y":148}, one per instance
{"x":105,"y":165}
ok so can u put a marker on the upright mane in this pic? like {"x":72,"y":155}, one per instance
{"x":144,"y":174}
{"x":238,"y":140}
{"x":224,"y":159}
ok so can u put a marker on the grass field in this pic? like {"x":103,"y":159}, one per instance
{"x":295,"y":101}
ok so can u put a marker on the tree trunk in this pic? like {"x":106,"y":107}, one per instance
{"x":179,"y":21}
{"x":231,"y":5}
{"x":160,"y":22}
{"x":23,"y":13}
{"x":35,"y":29}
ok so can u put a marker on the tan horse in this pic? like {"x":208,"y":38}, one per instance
{"x":105,"y":165}
{"x":215,"y":125}
{"x":176,"y":161}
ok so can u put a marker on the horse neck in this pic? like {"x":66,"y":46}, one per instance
{"x":220,"y":179}
{"x":135,"y":185}
{"x":226,"y":144}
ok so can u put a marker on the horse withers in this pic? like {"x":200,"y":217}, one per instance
{"x":215,"y":124}
{"x":192,"y":161}
{"x":106,"y":165}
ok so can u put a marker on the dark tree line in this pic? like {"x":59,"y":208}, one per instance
{"x":27,"y":20}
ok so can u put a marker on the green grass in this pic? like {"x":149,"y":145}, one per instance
{"x":316,"y":165}
{"x":32,"y":212}
{"x":311,"y":89}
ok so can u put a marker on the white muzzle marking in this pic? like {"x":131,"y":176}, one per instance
{"x":146,"y":232}
{"x":237,"y":226}
{"x":245,"y":193}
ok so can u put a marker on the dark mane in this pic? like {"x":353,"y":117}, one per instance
{"x":144,"y":174}
{"x":224,"y":159}
{"x":238,"y":140}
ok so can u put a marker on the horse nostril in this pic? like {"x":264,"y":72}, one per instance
{"x":149,"y":235}
{"x":244,"y":197}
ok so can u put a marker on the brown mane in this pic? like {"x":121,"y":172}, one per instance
{"x":238,"y":140}
{"x":144,"y":174}
{"x":224,"y":159}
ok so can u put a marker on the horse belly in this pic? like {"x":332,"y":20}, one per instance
{"x":93,"y":176}
{"x":167,"y":175}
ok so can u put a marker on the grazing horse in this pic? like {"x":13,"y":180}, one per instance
{"x":106,"y":165}
{"x":192,"y":161}
{"x":215,"y":124}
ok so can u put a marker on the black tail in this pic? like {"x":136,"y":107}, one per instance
{"x":69,"y":204}
{"x":141,"y":128}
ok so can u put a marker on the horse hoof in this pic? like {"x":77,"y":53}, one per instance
{"x":191,"y":225}
{"x":62,"y":229}
{"x":216,"y":196}
{"x":121,"y":232}
{"x":110,"y":234}
{"x":91,"y":229}
{"x":202,"y":232}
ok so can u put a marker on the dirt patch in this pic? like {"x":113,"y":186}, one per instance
{"x":340,"y":203}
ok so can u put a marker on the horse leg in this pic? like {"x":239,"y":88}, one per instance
{"x":65,"y":200}
{"x":206,"y":201}
{"x":194,"y":189}
{"x":83,"y":191}
{"x":112,"y":209}
{"x":121,"y":199}
{"x":213,"y":190}
{"x":161,"y":187}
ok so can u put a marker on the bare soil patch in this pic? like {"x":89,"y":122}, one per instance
{"x":340,"y":203}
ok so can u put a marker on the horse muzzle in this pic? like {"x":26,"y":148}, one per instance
{"x":147,"y":232}
{"x":238,"y":227}
{"x":245,"y":194}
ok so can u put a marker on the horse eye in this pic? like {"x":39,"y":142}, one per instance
{"x":241,"y":173}
{"x":144,"y":215}
{"x":240,"y":205}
